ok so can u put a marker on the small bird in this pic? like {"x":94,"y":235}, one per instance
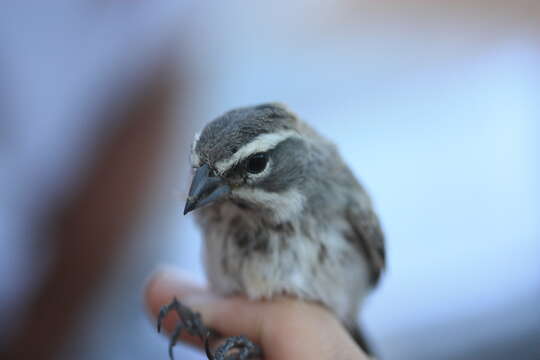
{"x":282,"y":214}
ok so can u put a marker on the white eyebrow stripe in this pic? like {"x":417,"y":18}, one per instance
{"x":194,"y":157}
{"x":261,"y":143}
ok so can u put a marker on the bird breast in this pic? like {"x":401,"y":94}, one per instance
{"x":299,"y":257}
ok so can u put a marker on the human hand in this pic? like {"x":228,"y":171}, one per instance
{"x":285,"y":328}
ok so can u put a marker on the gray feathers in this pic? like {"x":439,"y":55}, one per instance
{"x":366,"y":235}
{"x":225,"y":135}
{"x":303,"y":226}
{"x":290,"y":166}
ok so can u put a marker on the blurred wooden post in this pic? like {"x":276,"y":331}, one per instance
{"x":90,"y":229}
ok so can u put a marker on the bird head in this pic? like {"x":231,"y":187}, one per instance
{"x":253,"y":156}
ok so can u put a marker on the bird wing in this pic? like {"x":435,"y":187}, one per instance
{"x":367,"y":236}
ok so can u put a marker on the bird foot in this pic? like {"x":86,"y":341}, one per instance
{"x":234,"y":348}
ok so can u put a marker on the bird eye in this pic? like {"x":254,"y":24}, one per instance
{"x":257,"y":163}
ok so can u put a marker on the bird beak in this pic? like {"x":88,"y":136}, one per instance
{"x":205,"y":189}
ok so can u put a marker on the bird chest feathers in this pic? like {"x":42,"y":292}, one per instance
{"x":297,"y":258}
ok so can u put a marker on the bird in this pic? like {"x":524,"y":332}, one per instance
{"x":282,"y":214}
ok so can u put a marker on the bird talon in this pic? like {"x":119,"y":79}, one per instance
{"x":234,"y":348}
{"x":237,"y":348}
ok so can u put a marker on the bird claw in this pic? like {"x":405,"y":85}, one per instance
{"x":234,"y":347}
{"x":245,"y":349}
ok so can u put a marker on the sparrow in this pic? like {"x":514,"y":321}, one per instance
{"x":282,"y":214}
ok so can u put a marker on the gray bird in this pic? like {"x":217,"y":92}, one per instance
{"x":281,"y":213}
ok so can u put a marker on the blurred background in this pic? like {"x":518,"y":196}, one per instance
{"x":434,"y":104}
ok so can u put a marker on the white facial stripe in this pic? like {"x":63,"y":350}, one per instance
{"x":195,"y":160}
{"x":261,"y":143}
{"x":285,"y":206}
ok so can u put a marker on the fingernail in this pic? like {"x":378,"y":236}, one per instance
{"x":167,"y":275}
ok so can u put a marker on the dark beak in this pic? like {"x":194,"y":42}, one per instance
{"x":205,"y":189}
